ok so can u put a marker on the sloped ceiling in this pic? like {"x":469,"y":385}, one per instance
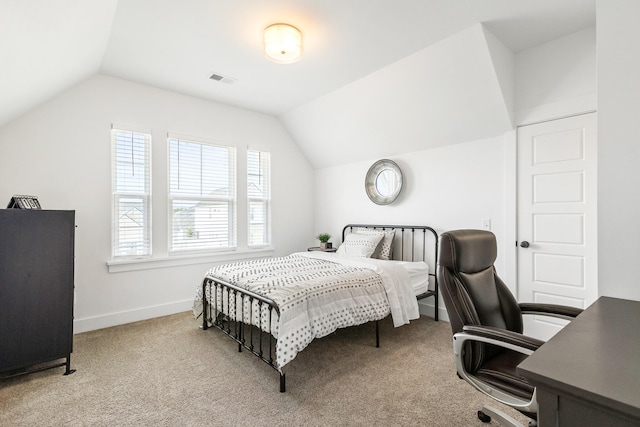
{"x":47,"y":47}
{"x":447,"y":93}
{"x":364,"y":64}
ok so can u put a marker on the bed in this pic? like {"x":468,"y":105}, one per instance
{"x":274,"y":307}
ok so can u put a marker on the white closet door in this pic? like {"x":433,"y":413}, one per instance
{"x":557,"y":208}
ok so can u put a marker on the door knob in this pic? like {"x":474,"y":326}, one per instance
{"x":524,"y":244}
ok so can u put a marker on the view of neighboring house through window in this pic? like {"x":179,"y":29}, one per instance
{"x":259,"y":196}
{"x":131,"y":187}
{"x":202,"y":196}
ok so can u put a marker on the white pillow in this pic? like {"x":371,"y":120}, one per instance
{"x":359,"y":245}
{"x":384,"y":249}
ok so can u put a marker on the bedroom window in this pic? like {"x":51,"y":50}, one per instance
{"x":259,"y":197}
{"x":131,"y":188}
{"x":202,"y":196}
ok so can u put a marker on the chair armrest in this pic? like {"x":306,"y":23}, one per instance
{"x":553,"y":310}
{"x":503,"y":337}
{"x":500,"y":337}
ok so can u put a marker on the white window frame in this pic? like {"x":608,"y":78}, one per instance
{"x":120,"y":195}
{"x":264,"y":174}
{"x":175,"y":196}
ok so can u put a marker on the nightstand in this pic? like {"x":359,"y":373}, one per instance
{"x":317,"y":248}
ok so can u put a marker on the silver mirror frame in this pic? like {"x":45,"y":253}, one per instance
{"x":370,"y":182}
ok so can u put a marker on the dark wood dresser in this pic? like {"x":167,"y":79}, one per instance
{"x":36,"y":290}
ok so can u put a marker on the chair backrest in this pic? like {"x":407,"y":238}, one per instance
{"x":472,"y":292}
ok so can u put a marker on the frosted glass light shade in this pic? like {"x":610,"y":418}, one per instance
{"x":282,"y":43}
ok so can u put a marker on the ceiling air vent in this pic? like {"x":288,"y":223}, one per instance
{"x":222,"y":78}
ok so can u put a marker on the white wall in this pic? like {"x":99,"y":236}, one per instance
{"x":552,"y":80}
{"x":61,"y":153}
{"x":410,"y":104}
{"x":457,"y":186}
{"x":446,"y":188}
{"x":557,"y":78}
{"x":618,"y":147}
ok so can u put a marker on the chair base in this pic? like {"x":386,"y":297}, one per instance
{"x":487,"y":413}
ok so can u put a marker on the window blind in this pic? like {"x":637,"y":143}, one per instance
{"x":259,"y":197}
{"x":131,"y":188}
{"x":202,"y":195}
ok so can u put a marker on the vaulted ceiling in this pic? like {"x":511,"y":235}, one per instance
{"x":350,"y":48}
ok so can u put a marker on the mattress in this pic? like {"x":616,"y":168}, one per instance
{"x":418,"y":272}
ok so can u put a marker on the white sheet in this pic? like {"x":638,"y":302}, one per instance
{"x":418,"y":275}
{"x":395,"y":278}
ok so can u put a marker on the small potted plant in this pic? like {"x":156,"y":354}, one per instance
{"x":324,"y":240}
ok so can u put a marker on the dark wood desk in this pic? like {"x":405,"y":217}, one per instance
{"x":589,"y":373}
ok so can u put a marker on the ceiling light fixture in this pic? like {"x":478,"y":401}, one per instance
{"x":282,"y":43}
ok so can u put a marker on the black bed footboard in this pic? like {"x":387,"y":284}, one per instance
{"x":243,"y":316}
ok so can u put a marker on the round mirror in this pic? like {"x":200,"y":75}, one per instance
{"x":386,"y":183}
{"x":383,"y":182}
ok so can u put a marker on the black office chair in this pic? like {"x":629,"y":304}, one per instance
{"x":486,"y":322}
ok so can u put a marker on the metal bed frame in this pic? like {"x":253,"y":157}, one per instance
{"x":410,"y":250}
{"x":257,"y":339}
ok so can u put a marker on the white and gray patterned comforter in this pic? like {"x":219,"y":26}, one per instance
{"x":316,"y":293}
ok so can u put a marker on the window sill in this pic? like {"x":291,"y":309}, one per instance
{"x":119,"y":266}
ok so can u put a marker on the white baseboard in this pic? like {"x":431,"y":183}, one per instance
{"x":428,"y":309}
{"x":105,"y":321}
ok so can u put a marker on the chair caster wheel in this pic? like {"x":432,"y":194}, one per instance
{"x":484,"y":417}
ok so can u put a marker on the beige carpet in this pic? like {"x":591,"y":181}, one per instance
{"x":168,"y":372}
